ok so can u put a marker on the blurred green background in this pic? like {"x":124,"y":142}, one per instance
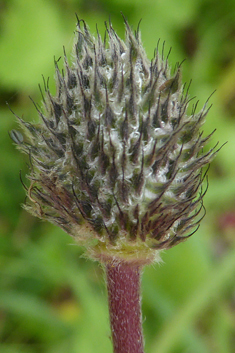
{"x":51,"y":299}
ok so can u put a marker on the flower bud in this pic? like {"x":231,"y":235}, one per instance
{"x":117,"y":161}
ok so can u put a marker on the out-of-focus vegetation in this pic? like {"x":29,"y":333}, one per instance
{"x":51,"y":299}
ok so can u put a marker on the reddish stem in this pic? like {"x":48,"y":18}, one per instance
{"x":123,"y":283}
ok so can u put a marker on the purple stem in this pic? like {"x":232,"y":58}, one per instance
{"x":123,"y":283}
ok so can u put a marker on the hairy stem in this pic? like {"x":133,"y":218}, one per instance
{"x":123,"y":284}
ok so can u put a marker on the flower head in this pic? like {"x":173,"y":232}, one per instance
{"x":116,"y":161}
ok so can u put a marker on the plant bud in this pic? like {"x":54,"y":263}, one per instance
{"x":117,"y":161}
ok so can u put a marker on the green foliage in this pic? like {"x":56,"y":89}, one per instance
{"x":51,"y":299}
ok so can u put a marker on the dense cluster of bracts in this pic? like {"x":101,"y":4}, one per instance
{"x":116,"y":150}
